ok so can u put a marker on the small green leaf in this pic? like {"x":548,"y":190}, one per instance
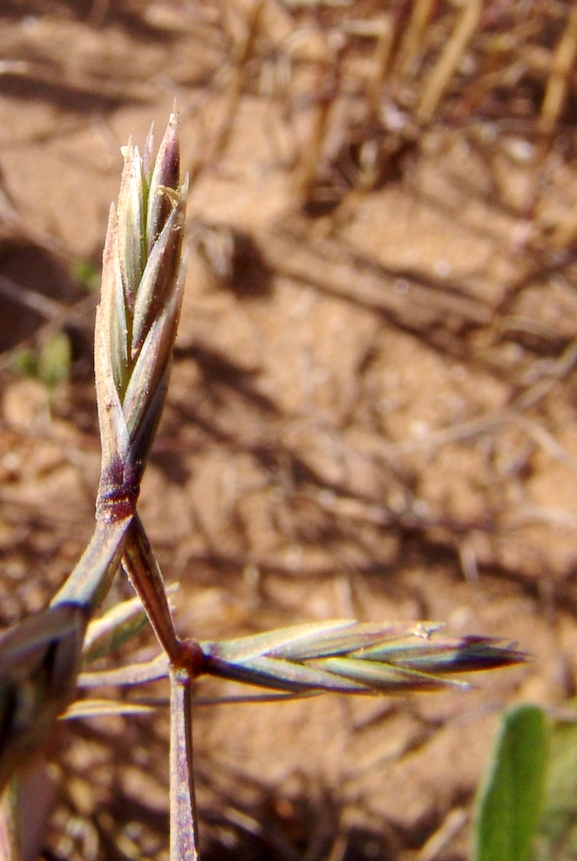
{"x":557,"y":839}
{"x":54,"y":360}
{"x":86,"y":274}
{"x":509,"y":804}
{"x":50,"y":365}
{"x":25,"y":362}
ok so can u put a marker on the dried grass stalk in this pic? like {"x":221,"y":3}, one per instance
{"x":562,"y":65}
{"x":449,"y":60}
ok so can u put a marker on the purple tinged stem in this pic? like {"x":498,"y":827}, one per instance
{"x":183,"y":828}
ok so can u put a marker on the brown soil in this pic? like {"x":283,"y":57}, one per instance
{"x":372,"y":411}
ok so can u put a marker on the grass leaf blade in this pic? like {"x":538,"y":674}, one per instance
{"x":510,"y":800}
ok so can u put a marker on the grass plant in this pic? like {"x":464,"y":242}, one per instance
{"x":526,"y":807}
{"x":45,"y":660}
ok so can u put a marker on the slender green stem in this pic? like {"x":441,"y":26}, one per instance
{"x":183,"y":822}
{"x":88,"y":584}
{"x":141,"y":567}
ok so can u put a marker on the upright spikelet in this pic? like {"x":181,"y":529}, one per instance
{"x":142,"y":282}
{"x":136,"y":322}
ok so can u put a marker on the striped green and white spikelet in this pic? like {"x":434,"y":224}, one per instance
{"x":136,"y":323}
{"x":142,"y":284}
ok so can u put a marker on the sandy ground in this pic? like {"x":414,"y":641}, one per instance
{"x":372,"y":413}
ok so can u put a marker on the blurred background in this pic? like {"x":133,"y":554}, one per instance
{"x":373,"y":404}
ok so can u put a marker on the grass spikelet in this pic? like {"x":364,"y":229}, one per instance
{"x":142,"y":283}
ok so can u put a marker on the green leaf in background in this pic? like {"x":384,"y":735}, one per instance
{"x":509,"y":804}
{"x":50,"y":365}
{"x":25,"y":362}
{"x":557,"y":839}
{"x":86,"y":275}
{"x":54,"y":359}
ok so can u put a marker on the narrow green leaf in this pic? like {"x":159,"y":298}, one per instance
{"x":104,"y":708}
{"x":557,"y":839}
{"x":509,"y":803}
